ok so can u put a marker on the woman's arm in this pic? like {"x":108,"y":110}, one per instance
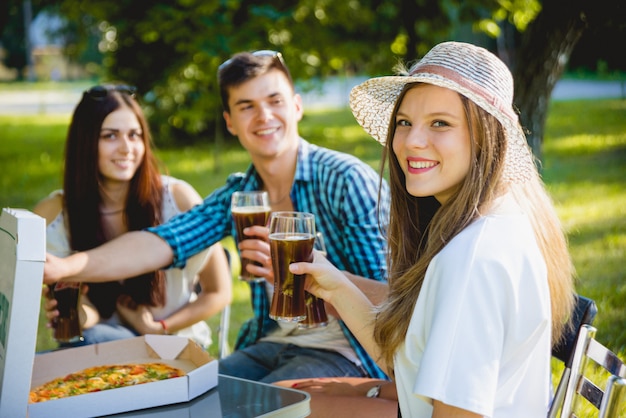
{"x":376,"y":291}
{"x":441,"y":410}
{"x":343,"y":386}
{"x":347,"y":396}
{"x":216,"y":292}
{"x":214,"y":278}
{"x":50,"y":207}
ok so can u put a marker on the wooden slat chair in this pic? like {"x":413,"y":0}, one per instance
{"x":584,"y":313}
{"x":608,"y":400}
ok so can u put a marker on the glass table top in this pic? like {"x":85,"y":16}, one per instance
{"x":235,"y":398}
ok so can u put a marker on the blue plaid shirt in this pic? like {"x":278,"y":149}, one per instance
{"x":338,"y":188}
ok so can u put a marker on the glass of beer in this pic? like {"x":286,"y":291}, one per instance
{"x":248,"y":209}
{"x":292,"y":235}
{"x":67,"y":327}
{"x":315,"y":311}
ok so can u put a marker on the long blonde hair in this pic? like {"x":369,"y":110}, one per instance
{"x":432,"y":227}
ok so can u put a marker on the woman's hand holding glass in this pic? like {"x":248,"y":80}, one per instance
{"x":316,"y":315}
{"x":324,"y":279}
{"x":86,"y":317}
{"x":292,"y":237}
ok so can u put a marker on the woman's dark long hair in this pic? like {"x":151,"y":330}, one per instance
{"x":81,"y":189}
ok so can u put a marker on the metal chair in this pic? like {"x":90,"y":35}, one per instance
{"x":607,"y":400}
{"x":223,"y":348}
{"x":585,"y":311}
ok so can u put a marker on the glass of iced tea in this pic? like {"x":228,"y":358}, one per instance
{"x":292,"y":235}
{"x":67,"y":327}
{"x":248,"y":209}
{"x":315,"y":311}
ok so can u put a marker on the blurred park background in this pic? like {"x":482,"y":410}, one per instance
{"x":51,"y":50}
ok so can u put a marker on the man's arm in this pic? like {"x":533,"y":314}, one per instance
{"x":128,"y":255}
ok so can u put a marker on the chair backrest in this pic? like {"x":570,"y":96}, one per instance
{"x":608,"y":400}
{"x":223,"y":348}
{"x":584,"y":312}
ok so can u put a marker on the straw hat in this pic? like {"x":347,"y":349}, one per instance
{"x":467,"y":69}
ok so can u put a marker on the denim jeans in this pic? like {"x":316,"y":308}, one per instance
{"x":270,"y":362}
{"x":101,"y":333}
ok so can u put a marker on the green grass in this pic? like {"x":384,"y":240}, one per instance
{"x":584,"y":168}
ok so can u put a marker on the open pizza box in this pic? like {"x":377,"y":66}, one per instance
{"x":22,"y":256}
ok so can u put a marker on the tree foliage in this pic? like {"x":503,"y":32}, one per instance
{"x":11,"y":35}
{"x":558,"y":28}
{"x":170,"y":49}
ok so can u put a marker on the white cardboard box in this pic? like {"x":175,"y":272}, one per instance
{"x":22,"y":254}
{"x":201,"y":375}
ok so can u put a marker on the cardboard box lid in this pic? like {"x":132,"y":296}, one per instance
{"x":22,"y":256}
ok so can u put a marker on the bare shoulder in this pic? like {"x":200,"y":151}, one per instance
{"x":185,"y":195}
{"x":50,"y":207}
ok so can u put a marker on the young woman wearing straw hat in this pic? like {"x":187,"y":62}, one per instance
{"x":480,"y":276}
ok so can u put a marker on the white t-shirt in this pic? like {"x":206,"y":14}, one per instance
{"x":179,"y":282}
{"x":479,"y":337}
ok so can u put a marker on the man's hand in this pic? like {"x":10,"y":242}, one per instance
{"x":54,"y":269}
{"x":257,"y":248}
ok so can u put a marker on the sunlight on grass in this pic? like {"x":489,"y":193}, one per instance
{"x":582,"y":144}
{"x":588,"y":203}
{"x":582,"y":117}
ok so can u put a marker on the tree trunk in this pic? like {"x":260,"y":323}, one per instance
{"x":546,"y":46}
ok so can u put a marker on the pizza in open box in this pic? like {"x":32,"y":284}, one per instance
{"x":97,"y":378}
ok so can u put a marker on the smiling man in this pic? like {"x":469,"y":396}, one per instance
{"x":263,"y":110}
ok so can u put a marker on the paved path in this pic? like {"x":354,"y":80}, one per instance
{"x":336,"y":92}
{"x":38,"y":102}
{"x":574,"y":89}
{"x":333,"y":94}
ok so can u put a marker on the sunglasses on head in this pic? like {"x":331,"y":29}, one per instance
{"x":100,"y":92}
{"x":259,"y":53}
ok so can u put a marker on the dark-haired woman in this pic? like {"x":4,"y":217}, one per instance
{"x":112,"y":185}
